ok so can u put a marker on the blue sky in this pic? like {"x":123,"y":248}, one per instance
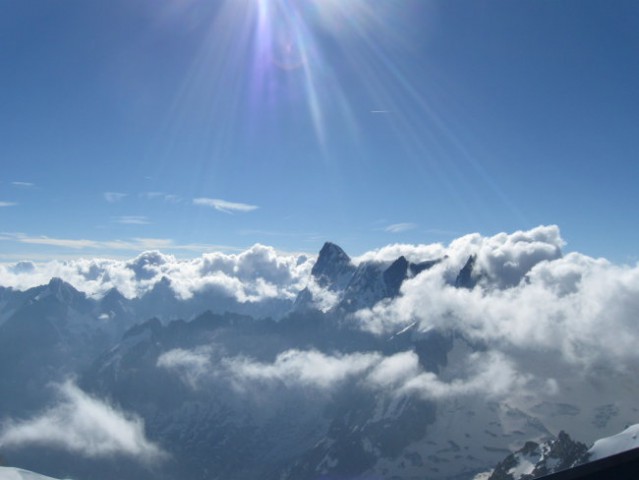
{"x":198,"y":125}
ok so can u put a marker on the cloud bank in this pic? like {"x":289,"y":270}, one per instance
{"x":255,"y":274}
{"x":528,"y":297}
{"x":489,"y":374}
{"x":85,"y":426}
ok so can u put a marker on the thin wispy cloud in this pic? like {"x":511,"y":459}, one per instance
{"x":7,"y":204}
{"x":224,"y":205}
{"x":400,"y":227}
{"x":113,"y":197}
{"x":136,"y":244}
{"x":52,"y":242}
{"x":23,"y":184}
{"x":489,"y":374}
{"x":167,"y":197}
{"x":133,"y":220}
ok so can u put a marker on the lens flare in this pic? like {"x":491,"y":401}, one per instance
{"x":266,"y":66}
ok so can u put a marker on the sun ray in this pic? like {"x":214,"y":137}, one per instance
{"x":266,"y":64}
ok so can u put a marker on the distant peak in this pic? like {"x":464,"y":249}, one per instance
{"x":333,"y":266}
{"x":113,"y":291}
{"x":465,"y":278}
{"x":332,"y":250}
{"x":56,"y":282}
{"x":63,"y":291}
{"x":331,"y":254}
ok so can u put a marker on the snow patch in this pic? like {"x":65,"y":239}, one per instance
{"x":9,"y":473}
{"x":626,"y":440}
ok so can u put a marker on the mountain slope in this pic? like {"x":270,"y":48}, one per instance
{"x":9,"y":473}
{"x":535,"y":460}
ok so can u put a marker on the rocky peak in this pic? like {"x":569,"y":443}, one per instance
{"x":113,"y":296}
{"x":63,"y":291}
{"x":534,"y":460}
{"x":465,"y":278}
{"x":395,"y":275}
{"x":333,"y":268}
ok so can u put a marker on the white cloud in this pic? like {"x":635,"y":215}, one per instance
{"x":529,"y":298}
{"x":23,"y":184}
{"x":167,"y":197}
{"x":305,"y":368}
{"x":413,"y":253}
{"x":85,"y":426}
{"x":395,"y":371}
{"x":400,"y":227}
{"x":113,"y":197}
{"x":7,"y":204}
{"x":133,"y":220}
{"x":136,"y":244}
{"x":191,"y":365}
{"x":255,"y":274}
{"x":224,"y":206}
{"x":490,"y":375}
{"x":548,"y":322}
{"x":58,"y":242}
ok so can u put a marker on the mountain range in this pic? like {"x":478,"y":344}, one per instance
{"x":205,"y":387}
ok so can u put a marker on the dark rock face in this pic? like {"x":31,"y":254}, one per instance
{"x":359,"y":286}
{"x":465,"y":278}
{"x":395,"y":275}
{"x":333,"y":268}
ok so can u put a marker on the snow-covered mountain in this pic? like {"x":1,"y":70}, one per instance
{"x":354,"y":287}
{"x":621,"y":442}
{"x":538,"y":459}
{"x":535,"y":460}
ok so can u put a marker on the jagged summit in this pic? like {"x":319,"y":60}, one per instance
{"x":333,"y":267}
{"x":113,"y":295}
{"x":395,"y":275}
{"x":466,"y":278}
{"x":56,"y":284}
{"x":358,"y":286}
{"x":63,"y":291}
{"x":331,"y":253}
